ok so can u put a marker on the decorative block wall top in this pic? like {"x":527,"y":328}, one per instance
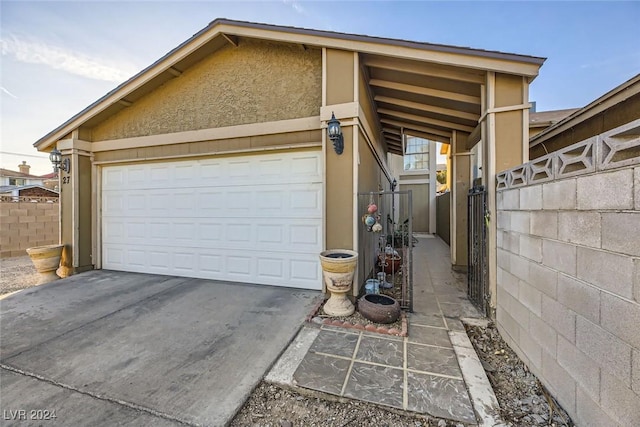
{"x":619,"y":147}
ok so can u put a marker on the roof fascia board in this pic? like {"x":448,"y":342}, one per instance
{"x":461,"y":57}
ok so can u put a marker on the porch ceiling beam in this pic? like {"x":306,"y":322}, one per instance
{"x":392,"y":131}
{"x":424,"y":70}
{"x":425,"y":129}
{"x":231,"y":39}
{"x":427,"y":108}
{"x":430,"y":136}
{"x":125,"y":103}
{"x":427,"y":120}
{"x":394,"y":147}
{"x":393,"y":138}
{"x":426,"y":91}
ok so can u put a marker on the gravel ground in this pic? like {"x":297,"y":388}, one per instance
{"x":273,"y":406}
{"x":17,"y":273}
{"x":523,"y":400}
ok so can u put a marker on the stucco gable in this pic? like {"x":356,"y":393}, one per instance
{"x":256,"y":82}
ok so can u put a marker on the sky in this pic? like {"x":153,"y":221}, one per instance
{"x":60,"y":56}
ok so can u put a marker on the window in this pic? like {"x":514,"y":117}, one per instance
{"x":416,"y":155}
{"x":16,"y":181}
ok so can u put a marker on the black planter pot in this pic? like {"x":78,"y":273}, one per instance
{"x":379,"y":308}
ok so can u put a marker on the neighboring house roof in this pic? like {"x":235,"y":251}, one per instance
{"x":619,"y":94}
{"x":52,"y":175}
{"x":221,"y":32}
{"x":13,"y":174}
{"x":548,"y":118}
{"x":11,"y":188}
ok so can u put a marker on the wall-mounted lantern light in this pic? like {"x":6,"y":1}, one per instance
{"x":394,"y":184}
{"x":58,"y":163}
{"x":335,"y":134}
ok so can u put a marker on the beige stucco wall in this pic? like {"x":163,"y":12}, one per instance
{"x":340,"y":81}
{"x":339,"y":195}
{"x":256,"y":82}
{"x":66,"y":221}
{"x":370,"y":178}
{"x":339,"y":168}
{"x":85,"y":248}
{"x":509,"y":124}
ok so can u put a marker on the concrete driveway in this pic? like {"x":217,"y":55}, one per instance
{"x":112,"y":348}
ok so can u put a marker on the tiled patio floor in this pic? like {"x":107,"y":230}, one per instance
{"x":418,"y":373}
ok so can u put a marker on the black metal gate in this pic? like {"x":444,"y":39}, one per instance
{"x":477,"y":277}
{"x":388,"y":246}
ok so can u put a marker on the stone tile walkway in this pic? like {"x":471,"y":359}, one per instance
{"x":418,"y":373}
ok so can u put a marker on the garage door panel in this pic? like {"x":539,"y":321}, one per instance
{"x":253,"y":170}
{"x":285,"y":201}
{"x":285,"y":269}
{"x":255,"y":219}
{"x":299,"y":235}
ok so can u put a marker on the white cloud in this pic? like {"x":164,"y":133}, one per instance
{"x":5,"y":90}
{"x":296,"y":6}
{"x":59,"y":58}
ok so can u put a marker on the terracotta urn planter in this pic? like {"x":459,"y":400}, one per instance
{"x":338,"y":268}
{"x":379,"y":308}
{"x":46,"y":259}
{"x":390,"y":264}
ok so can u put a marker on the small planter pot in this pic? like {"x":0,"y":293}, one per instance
{"x":390,"y":264}
{"x":379,"y":308}
{"x":46,"y":259}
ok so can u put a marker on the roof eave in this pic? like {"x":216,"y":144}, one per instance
{"x":619,"y":93}
{"x":465,"y":57}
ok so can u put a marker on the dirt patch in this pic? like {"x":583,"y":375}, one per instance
{"x":523,"y":400}
{"x":270,"y":405}
{"x":17,"y":273}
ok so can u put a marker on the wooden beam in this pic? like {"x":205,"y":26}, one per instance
{"x":427,"y":120}
{"x":415,"y":127}
{"x":392,"y":138}
{"x":423,"y":69}
{"x":430,"y":136}
{"x":469,"y":99}
{"x":231,"y":39}
{"x":427,"y":108}
{"x":125,"y":102}
{"x":174,"y":71}
{"x":391,"y":130}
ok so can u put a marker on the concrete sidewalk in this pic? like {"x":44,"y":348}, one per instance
{"x":433,"y":371}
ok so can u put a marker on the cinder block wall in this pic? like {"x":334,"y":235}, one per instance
{"x":27,"y":224}
{"x":568,"y":276}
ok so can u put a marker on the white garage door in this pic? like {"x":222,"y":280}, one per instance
{"x":254,"y":219}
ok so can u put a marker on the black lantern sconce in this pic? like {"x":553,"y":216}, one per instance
{"x":58,"y":163}
{"x":335,"y":134}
